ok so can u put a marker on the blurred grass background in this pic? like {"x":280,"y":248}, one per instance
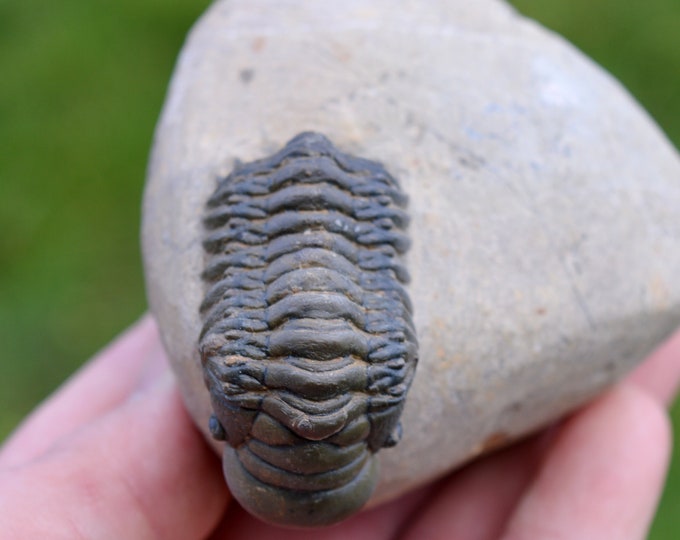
{"x":81,"y":88}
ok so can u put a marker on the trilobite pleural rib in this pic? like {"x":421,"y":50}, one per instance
{"x":308,"y":345}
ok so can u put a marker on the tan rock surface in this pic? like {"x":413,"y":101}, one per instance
{"x":545,"y":203}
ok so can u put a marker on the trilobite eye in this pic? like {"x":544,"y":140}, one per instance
{"x":394,"y":437}
{"x":216,"y":429}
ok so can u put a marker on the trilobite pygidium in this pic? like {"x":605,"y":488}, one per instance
{"x":308,"y":346}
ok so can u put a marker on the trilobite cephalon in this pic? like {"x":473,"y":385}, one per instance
{"x":308,"y":345}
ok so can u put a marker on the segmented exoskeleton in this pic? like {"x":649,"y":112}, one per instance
{"x":308,"y":346}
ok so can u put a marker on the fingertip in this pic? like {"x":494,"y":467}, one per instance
{"x":98,"y":387}
{"x":604,"y":474}
{"x":476,"y":501}
{"x":143,"y":471}
{"x":173,"y":479}
{"x":110,"y":457}
{"x":652,"y":419}
{"x":659,"y":374}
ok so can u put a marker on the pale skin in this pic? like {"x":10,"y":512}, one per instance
{"x":113,"y":454}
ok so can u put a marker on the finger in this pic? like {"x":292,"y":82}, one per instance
{"x":475,"y":503}
{"x":141,"y":471}
{"x":659,"y":375}
{"x":604,"y":473}
{"x":101,"y":385}
{"x":382,"y":522}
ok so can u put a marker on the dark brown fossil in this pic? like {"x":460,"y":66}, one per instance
{"x":308,"y":346}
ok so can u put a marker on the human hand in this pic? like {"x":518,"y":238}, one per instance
{"x":113,"y":454}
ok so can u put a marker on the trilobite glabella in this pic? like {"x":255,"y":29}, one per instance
{"x":308,"y":346}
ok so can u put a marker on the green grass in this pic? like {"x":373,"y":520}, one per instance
{"x":82,"y":85}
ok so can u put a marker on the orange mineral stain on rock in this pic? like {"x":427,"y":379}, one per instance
{"x":658,"y":292}
{"x":494,"y":442}
{"x":258,"y":44}
{"x":491,"y":443}
{"x":442,"y":353}
{"x":341,"y":52}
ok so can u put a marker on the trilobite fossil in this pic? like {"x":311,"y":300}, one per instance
{"x":308,"y":345}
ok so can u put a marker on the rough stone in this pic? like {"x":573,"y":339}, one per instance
{"x":544,"y":201}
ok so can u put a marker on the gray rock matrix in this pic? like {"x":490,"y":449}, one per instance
{"x":544,"y":203}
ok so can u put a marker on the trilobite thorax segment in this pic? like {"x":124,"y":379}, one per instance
{"x":308,"y":345}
